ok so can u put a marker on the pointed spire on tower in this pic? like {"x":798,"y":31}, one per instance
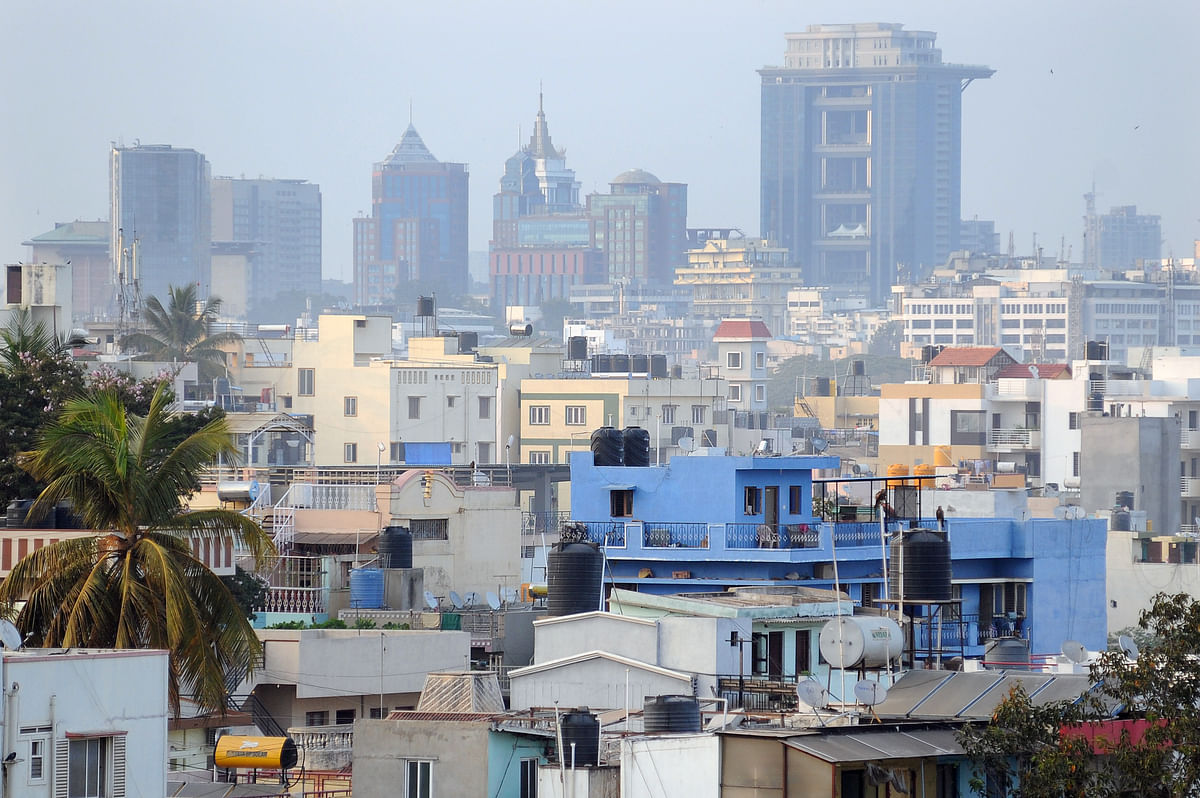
{"x":540,"y":145}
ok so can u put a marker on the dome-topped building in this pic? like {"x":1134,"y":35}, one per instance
{"x":634,"y":177}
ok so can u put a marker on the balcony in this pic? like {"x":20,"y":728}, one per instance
{"x":675,"y":535}
{"x":1013,"y":440}
{"x":325,"y":747}
{"x":1189,"y":487}
{"x":771,"y":536}
{"x":967,"y":632}
{"x":1189,"y":439}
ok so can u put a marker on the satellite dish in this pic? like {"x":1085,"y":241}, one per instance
{"x":869,"y":693}
{"x":431,"y":600}
{"x":819,"y":445}
{"x":456,"y":600}
{"x":1124,"y":641}
{"x":1075,"y":512}
{"x":812,"y":693}
{"x":509,"y":594}
{"x":1075,"y":651}
{"x":9,"y":636}
{"x":493,"y":600}
{"x":687,"y":444}
{"x":471,"y":598}
{"x":1060,"y":512}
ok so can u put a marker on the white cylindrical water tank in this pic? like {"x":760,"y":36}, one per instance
{"x":869,"y":641}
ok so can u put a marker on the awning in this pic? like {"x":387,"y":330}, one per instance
{"x":313,"y":538}
{"x":876,"y":746}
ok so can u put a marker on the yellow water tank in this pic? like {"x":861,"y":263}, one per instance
{"x":941,"y":456}
{"x":270,"y":753}
{"x":897,"y":470}
{"x":928,"y":471}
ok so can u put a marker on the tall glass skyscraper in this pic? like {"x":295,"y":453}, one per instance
{"x":861,"y":147}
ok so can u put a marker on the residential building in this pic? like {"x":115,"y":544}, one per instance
{"x":88,"y":721}
{"x":742,"y":362}
{"x":281,"y":219}
{"x":640,"y":226}
{"x":1120,"y":238}
{"x":43,"y":291}
{"x":160,"y":215}
{"x":861,"y":154}
{"x":978,"y":236}
{"x":739,"y":277}
{"x":709,"y":523}
{"x":84,"y":245}
{"x":417,"y":230}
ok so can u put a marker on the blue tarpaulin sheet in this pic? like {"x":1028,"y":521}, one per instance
{"x":427,"y":453}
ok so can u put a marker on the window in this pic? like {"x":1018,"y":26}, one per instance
{"x":318,"y":718}
{"x":539,"y":458}
{"x":396,"y":451}
{"x":796,"y":500}
{"x":668,"y":414}
{"x":576,"y":415}
{"x":699,"y":414}
{"x":529,"y":778}
{"x":350,"y":452}
{"x":418,"y":779}
{"x":621,"y":503}
{"x":450,"y":400}
{"x":870,"y":594}
{"x":753,"y":500}
{"x":37,"y":761}
{"x":733,"y":360}
{"x":947,"y":782}
{"x":1074,"y":464}
{"x":539,"y":414}
{"x":485,"y":407}
{"x":307,"y":381}
{"x":376,"y":713}
{"x":350,"y":406}
{"x":414,"y":407}
{"x":760,"y":360}
{"x":735,"y":393}
{"x":760,"y":393}
{"x":430,"y":528}
{"x":87,"y":768}
{"x":967,"y":427}
{"x":344,"y":717}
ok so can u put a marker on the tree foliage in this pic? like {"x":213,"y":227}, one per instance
{"x":136,"y":583}
{"x":783,"y":384}
{"x":181,"y":332}
{"x":1154,"y":749}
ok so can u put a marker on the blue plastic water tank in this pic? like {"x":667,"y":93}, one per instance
{"x":366,"y":589}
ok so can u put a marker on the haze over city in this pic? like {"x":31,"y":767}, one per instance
{"x":1082,"y":92}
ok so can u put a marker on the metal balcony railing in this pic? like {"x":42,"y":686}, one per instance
{"x":1190,"y":439}
{"x":1014,"y":438}
{"x":675,"y":535}
{"x":1189,"y":487}
{"x":771,"y":536}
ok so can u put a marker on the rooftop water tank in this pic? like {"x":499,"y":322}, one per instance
{"x":366,"y":588}
{"x":671,"y":714}
{"x":577,"y":348}
{"x":658,"y":366}
{"x":620,"y":363}
{"x":636,"y":441}
{"x":640,"y":364}
{"x":395,"y":547}
{"x":866,"y":641}
{"x":574,"y":572}
{"x":580,"y":739}
{"x":921,"y":559}
{"x":608,"y":446}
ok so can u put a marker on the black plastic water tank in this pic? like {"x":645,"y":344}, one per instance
{"x":608,"y":447}
{"x":1124,"y":499}
{"x":658,"y":366}
{"x":636,"y":447}
{"x":17,"y":511}
{"x":1120,"y":521}
{"x":577,"y":348}
{"x":395,"y":547}
{"x":573,"y":578}
{"x":677,"y":371}
{"x":468,"y":342}
{"x":424,"y":306}
{"x":620,"y":364}
{"x":65,"y":517}
{"x":640,"y":364}
{"x":924,"y":557}
{"x":602,"y":365}
{"x":858,"y":368}
{"x":671,"y":714}
{"x":580,"y":738}
{"x":822,"y":387}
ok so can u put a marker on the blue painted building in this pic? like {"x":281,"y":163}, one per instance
{"x":704,"y":524}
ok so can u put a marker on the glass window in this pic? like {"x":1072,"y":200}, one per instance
{"x":735,"y":393}
{"x":668,"y":414}
{"x":796,"y":500}
{"x":86,"y":768}
{"x":37,"y":760}
{"x":760,"y":360}
{"x":529,"y":778}
{"x":414,"y":407}
{"x":350,"y":406}
{"x":576,"y":415}
{"x":418,"y":781}
{"x":699,"y":414}
{"x":430,"y":528}
{"x":753,"y":500}
{"x":760,"y":393}
{"x":344,"y":717}
{"x":733,"y":360}
{"x":351,"y":452}
{"x":318,"y":718}
{"x":539,"y":414}
{"x":485,"y":407}
{"x":307,"y":381}
{"x":539,"y":457}
{"x":621,"y":502}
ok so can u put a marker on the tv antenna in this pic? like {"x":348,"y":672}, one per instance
{"x":9,"y":636}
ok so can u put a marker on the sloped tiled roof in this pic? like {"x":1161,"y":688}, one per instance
{"x":1030,"y":371}
{"x":966,"y":356}
{"x":740,"y":329}
{"x":461,"y":692}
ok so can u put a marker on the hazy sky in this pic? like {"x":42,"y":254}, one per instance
{"x":321,"y":90}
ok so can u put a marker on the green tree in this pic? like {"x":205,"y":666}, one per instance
{"x":135,"y":583}
{"x":37,"y":377}
{"x":1153,"y":749}
{"x":248,"y":589}
{"x":182,"y":332}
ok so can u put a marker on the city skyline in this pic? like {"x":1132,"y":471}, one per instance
{"x":1060,"y":112}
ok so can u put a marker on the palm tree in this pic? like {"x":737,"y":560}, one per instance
{"x":136,"y":583}
{"x":180,"y":331}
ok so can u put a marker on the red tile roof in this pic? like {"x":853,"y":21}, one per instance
{"x":966,"y":356}
{"x":740,"y":329}
{"x":1025,"y":371}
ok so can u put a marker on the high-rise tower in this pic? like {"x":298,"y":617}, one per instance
{"x":159,"y":198}
{"x":417,"y":230}
{"x":861,"y":150}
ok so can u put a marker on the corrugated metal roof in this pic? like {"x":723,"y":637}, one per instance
{"x":874,"y":746}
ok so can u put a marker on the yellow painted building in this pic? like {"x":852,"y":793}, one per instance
{"x":740,"y":277}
